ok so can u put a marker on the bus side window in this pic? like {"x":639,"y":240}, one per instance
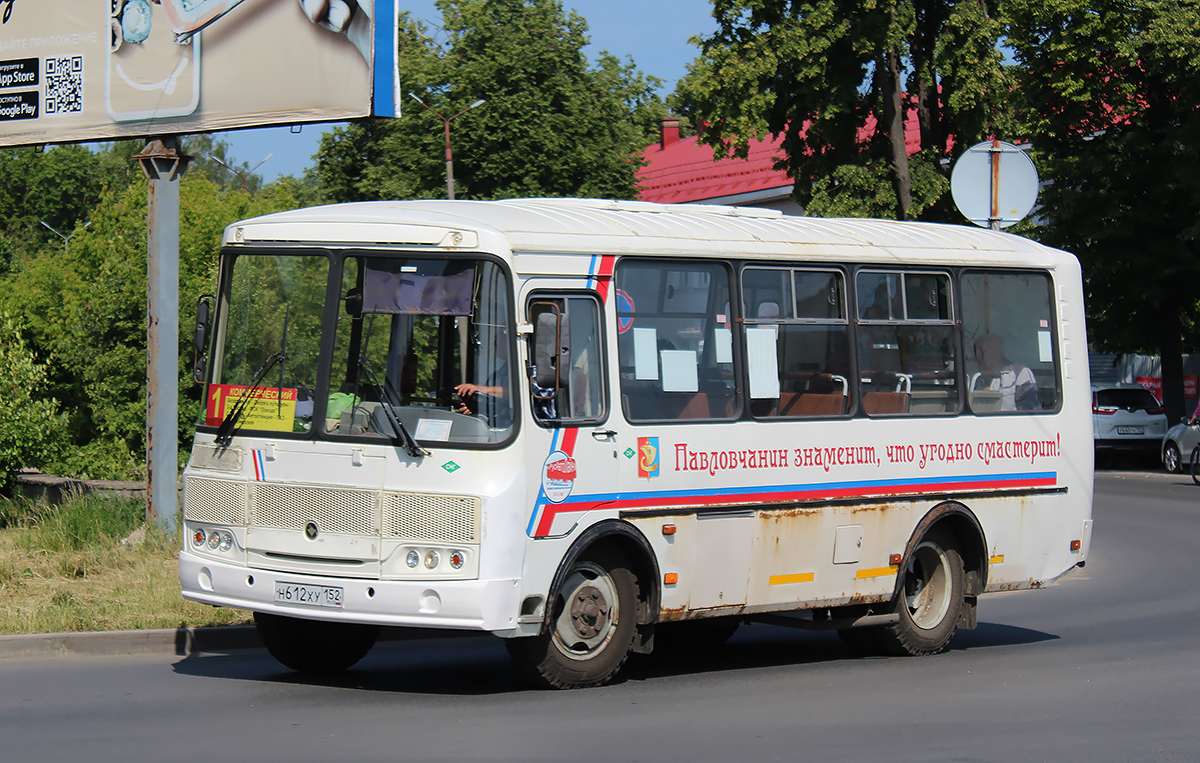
{"x":675,"y":341}
{"x":906,"y":343}
{"x":566,"y":360}
{"x":797,"y":339}
{"x":1011,"y":363}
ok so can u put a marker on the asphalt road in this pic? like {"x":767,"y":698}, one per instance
{"x":1103,"y":666}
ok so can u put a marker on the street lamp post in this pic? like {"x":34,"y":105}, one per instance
{"x":67,"y":238}
{"x":449,"y":154}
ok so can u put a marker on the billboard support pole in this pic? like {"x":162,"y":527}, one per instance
{"x":163,"y":165}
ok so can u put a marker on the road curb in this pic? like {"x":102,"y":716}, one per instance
{"x":179,"y":641}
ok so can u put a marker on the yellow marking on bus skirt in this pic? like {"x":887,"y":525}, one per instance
{"x":800,"y":577}
{"x":997,"y":559}
{"x":878,"y":572}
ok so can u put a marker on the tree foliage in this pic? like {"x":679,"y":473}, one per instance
{"x":31,"y":427}
{"x":84,"y":308}
{"x":836,"y":79}
{"x":551,"y":126}
{"x":1110,"y":95}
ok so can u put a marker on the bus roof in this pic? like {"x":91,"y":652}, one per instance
{"x":589,"y":226}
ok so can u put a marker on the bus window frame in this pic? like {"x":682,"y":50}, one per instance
{"x":562,"y":422}
{"x":738,"y":375}
{"x":1055,"y":340}
{"x":334,"y":302}
{"x":844,"y":272}
{"x":953,"y":321}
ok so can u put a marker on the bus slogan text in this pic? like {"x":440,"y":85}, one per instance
{"x":828,"y":458}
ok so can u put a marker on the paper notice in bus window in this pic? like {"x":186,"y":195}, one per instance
{"x":432,"y":429}
{"x":679,"y":371}
{"x":1045,"y":348}
{"x":267,"y":409}
{"x":763,"y":362}
{"x":645,"y":354}
{"x":723,"y":343}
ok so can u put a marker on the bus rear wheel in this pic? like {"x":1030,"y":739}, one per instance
{"x":591,"y":627}
{"x":314,"y":646}
{"x":930,"y":601}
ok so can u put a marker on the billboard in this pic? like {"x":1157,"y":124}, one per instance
{"x":79,"y":70}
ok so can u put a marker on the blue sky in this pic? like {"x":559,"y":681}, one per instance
{"x":654,"y":32}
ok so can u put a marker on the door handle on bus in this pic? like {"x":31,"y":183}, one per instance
{"x":603,"y":434}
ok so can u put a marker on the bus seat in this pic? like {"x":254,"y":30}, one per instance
{"x":930,"y":401}
{"x":697,"y":408}
{"x":812,"y":404}
{"x":885,"y":402}
{"x":821,"y":404}
{"x":985,"y":400}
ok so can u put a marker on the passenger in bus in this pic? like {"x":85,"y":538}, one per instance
{"x":1015,"y":382}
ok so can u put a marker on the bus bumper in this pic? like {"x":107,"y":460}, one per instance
{"x":482,"y":605}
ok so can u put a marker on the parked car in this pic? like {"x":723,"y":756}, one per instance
{"x":1178,"y":444}
{"x":1127,"y":418}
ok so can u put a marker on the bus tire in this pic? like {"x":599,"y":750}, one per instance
{"x":930,"y":600}
{"x":591,"y":628}
{"x":314,"y":646}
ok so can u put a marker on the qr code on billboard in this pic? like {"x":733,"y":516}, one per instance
{"x":64,"y":85}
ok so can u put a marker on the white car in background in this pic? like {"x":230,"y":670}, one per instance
{"x":1178,"y":444}
{"x":1127,"y":418}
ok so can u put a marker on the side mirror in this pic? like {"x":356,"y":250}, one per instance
{"x":204,"y":308}
{"x":551,"y":348}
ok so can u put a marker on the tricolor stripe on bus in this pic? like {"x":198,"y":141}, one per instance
{"x":546,"y":513}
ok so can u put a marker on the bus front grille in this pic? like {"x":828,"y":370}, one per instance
{"x":222,"y":502}
{"x":390,"y":515}
{"x":437,"y":518}
{"x":338,"y":510}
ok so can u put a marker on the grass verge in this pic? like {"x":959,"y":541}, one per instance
{"x":91,"y":564}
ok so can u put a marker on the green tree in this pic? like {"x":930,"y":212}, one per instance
{"x":1109,"y":93}
{"x":31,"y":428}
{"x":55,"y":188}
{"x":836,"y":78}
{"x":551,"y":125}
{"x":85,"y":310}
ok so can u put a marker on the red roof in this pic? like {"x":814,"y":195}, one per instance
{"x":685,"y":171}
{"x":679,"y":171}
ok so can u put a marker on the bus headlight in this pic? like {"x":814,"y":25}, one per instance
{"x":226,"y":541}
{"x":413,"y":558}
{"x":431,"y":559}
{"x":214,"y":539}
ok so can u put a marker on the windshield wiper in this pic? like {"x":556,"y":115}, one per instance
{"x":406,"y":440}
{"x":229,"y":425}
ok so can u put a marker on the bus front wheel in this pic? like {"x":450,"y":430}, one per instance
{"x":314,"y":646}
{"x":591,"y":627}
{"x":930,"y":601}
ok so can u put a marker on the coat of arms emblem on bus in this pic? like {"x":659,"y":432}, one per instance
{"x":558,"y":476}
{"x":647,"y":459}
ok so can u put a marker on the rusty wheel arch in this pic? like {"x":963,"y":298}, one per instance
{"x":959,"y":520}
{"x":624,"y":538}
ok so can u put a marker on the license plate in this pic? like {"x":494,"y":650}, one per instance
{"x":308,"y":595}
{"x":1131,"y":430}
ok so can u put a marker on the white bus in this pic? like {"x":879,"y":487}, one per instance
{"x":572,"y":423}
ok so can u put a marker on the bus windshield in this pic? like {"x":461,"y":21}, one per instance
{"x":424,"y":345}
{"x":420,"y":349}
